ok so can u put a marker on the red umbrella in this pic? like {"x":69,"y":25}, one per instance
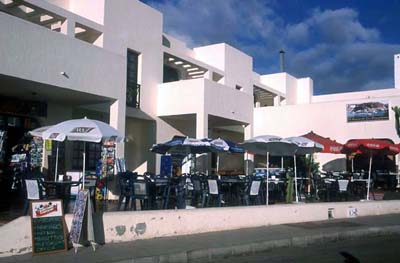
{"x":371,"y":147}
{"x":330,"y":146}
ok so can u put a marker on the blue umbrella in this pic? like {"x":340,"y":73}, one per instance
{"x":182,"y":146}
{"x":221,"y":145}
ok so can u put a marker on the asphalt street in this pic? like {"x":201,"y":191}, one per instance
{"x":369,"y":249}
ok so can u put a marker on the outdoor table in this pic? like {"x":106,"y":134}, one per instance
{"x":276,"y":189}
{"x":60,"y":190}
{"x":233,"y":187}
{"x":358,"y":188}
{"x":160,"y":189}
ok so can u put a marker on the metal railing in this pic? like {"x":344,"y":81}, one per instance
{"x":133,"y":96}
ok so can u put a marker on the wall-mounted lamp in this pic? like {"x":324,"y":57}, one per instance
{"x":64,"y":74}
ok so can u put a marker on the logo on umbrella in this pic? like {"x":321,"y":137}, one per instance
{"x":54,"y":135}
{"x":82,"y":130}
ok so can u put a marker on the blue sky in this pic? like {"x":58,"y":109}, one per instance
{"x":343,"y":45}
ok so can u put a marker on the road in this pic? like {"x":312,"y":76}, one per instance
{"x":373,"y":249}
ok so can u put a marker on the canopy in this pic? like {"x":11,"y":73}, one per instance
{"x":271,"y":144}
{"x":305,"y":145}
{"x":223,"y":145}
{"x":38,"y":132}
{"x":86,"y":130}
{"x":330,"y":146}
{"x":371,"y":147}
{"x":183,"y":146}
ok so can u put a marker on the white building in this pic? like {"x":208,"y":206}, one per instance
{"x":110,"y":60}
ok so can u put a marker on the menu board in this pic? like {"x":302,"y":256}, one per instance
{"x":48,"y":227}
{"x":79,"y":213}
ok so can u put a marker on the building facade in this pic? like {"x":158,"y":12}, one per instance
{"x":110,"y":60}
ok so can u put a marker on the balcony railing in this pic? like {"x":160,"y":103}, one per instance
{"x":133,"y":96}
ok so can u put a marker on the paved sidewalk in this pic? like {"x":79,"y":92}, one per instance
{"x":202,"y":247}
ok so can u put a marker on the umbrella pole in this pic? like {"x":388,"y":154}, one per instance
{"x":247,"y":163}
{"x":84,"y":166}
{"x":369,"y":176}
{"x":295,"y":178}
{"x":217,"y":162}
{"x":352,"y":164}
{"x":56,"y":168}
{"x":281,"y":162}
{"x":267,"y":194}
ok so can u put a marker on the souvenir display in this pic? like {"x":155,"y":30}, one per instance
{"x":36,"y":152}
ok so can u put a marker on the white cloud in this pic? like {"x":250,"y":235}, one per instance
{"x":331,"y":46}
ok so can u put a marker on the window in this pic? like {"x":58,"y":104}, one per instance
{"x":93,"y":154}
{"x":132,"y":86}
{"x":239,"y":88}
{"x":166,"y":42}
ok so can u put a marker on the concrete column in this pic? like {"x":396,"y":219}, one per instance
{"x":202,"y":163}
{"x":201,"y":125}
{"x":397,"y":71}
{"x":117,"y":120}
{"x":277,"y":100}
{"x":248,"y":158}
{"x":68,"y":28}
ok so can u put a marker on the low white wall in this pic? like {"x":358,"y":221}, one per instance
{"x":128,"y":226}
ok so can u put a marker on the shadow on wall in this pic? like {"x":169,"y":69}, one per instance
{"x":338,"y":164}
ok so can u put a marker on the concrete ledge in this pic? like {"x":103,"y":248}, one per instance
{"x":15,"y":237}
{"x":129,"y":226}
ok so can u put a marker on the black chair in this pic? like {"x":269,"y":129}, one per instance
{"x":343,"y":189}
{"x":126,"y":188}
{"x":33,"y":190}
{"x":141,"y":192}
{"x":160,"y":189}
{"x":199,"y":190}
{"x":252,"y":191}
{"x":214,"y":191}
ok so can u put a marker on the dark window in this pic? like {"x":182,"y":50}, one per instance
{"x":239,"y":87}
{"x":132,"y":86}
{"x":170,"y":74}
{"x":166,"y":42}
{"x":93,"y":154}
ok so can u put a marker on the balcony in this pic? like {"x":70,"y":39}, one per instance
{"x":198,"y":96}
{"x":43,"y":56}
{"x":55,"y":19}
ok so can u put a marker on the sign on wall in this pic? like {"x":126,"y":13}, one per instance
{"x":368,"y":111}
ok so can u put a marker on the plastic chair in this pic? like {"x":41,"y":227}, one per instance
{"x":343,"y":188}
{"x":33,"y":190}
{"x":214,"y":191}
{"x":252,"y":192}
{"x":140,"y":186}
{"x":125,"y":187}
{"x":199,"y":192}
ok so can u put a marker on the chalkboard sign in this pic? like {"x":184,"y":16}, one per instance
{"x":79,"y":213}
{"x":48,"y":227}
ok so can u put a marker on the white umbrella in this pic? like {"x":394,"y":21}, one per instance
{"x":305,"y":146}
{"x":38,"y":132}
{"x":85,"y":130}
{"x":269,"y":144}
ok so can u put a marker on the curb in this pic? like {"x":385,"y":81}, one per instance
{"x":251,"y":248}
